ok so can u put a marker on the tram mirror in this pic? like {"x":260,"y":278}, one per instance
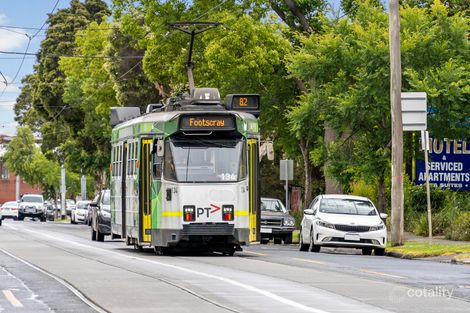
{"x":270,"y":151}
{"x":160,"y":148}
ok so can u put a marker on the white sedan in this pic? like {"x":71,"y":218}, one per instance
{"x":79,"y":213}
{"x":9,"y":210}
{"x":343,"y":221}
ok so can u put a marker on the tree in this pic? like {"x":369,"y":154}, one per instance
{"x":349,"y":64}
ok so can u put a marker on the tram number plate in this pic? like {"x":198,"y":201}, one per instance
{"x":352,"y":237}
{"x":266,"y":230}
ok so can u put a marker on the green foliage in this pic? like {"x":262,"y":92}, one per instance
{"x":461,"y":228}
{"x":416,"y":198}
{"x":347,"y":68}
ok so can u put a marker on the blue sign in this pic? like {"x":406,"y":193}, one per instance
{"x":449,"y":164}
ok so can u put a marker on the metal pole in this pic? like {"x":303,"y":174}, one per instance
{"x":18,"y":180}
{"x":63,"y":212}
{"x":83,"y":187}
{"x":287,"y":185}
{"x":397,"y":127}
{"x":428,"y":190}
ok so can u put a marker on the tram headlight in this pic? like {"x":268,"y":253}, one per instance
{"x":227,"y":212}
{"x":189,"y":213}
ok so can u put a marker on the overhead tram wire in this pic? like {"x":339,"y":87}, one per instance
{"x":75,"y":56}
{"x":27,"y":48}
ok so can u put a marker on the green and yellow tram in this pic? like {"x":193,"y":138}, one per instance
{"x":186,"y":174}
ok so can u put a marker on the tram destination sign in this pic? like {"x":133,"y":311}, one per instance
{"x":211,"y":122}
{"x":449,"y":164}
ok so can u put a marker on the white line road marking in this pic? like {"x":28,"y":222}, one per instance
{"x":254,"y":253}
{"x":382,"y":274}
{"x":262,"y":292}
{"x":11,"y":297}
{"x":310,"y":261}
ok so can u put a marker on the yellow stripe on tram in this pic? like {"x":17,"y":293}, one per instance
{"x":171,"y":214}
{"x":242,"y":213}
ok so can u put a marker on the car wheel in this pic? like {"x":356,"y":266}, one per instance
{"x":313,"y":247}
{"x":20,"y":217}
{"x":379,"y":251}
{"x":302,"y":245}
{"x":93,"y":234}
{"x":264,"y":241}
{"x":1,"y":219}
{"x":287,"y":239}
{"x":15,"y":218}
{"x":43,"y":218}
{"x":277,"y":241}
{"x":366,"y":251}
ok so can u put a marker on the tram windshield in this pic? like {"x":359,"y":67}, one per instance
{"x":199,"y":160}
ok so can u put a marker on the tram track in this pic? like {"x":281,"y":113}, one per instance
{"x":162,"y":280}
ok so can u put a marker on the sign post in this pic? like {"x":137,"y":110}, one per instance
{"x":414,"y":116}
{"x":287,"y":173}
{"x":425,"y":146}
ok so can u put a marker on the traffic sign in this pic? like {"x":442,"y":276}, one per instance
{"x":414,"y":110}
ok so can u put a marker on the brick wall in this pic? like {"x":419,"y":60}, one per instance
{"x":8,"y":186}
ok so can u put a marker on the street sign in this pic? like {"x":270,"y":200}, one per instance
{"x":287,"y":166}
{"x":414,"y":110}
{"x":449,"y":165}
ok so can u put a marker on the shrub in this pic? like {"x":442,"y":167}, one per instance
{"x":460,"y":229}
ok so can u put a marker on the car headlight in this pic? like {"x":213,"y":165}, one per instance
{"x":325,"y":224}
{"x":106,"y":214}
{"x":288,"y":222}
{"x":378,"y":227}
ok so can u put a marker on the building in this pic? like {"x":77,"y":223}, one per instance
{"x":8,"y":179}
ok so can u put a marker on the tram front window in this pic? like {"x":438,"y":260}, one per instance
{"x":198,"y":160}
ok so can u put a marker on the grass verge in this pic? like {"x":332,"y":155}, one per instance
{"x":414,"y":249}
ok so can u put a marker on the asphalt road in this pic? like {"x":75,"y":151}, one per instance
{"x":48,"y":267}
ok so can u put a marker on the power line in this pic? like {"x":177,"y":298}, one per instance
{"x":75,"y":56}
{"x":27,"y":48}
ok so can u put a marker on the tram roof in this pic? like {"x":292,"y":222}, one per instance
{"x":146,"y":123}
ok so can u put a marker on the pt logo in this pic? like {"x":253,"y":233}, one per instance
{"x":207,"y":211}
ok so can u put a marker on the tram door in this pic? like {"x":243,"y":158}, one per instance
{"x":144,"y":190}
{"x":123,"y":190}
{"x":254,"y":198}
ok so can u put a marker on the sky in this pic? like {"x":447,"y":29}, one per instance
{"x":22,"y":14}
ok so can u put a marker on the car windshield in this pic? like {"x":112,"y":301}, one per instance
{"x":106,"y":199}
{"x":33,"y":199}
{"x":272,"y":206}
{"x":82,"y":205}
{"x":205,"y":160}
{"x":347,"y":206}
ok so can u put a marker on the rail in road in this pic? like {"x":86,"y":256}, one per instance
{"x":112,"y":277}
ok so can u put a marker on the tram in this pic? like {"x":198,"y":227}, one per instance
{"x":186,"y":174}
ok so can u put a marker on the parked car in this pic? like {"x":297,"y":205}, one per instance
{"x":9,"y":210}
{"x":343,"y":221}
{"x":69,"y":205}
{"x":101,"y":216}
{"x":79,"y":213}
{"x":32,"y":205}
{"x":52,"y":211}
{"x":276,"y":222}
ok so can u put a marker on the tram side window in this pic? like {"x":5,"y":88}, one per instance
{"x":113,"y":161}
{"x":129,"y":159}
{"x":157,"y":166}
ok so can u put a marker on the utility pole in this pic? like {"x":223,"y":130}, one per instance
{"x":397,"y":128}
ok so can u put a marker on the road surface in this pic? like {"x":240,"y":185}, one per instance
{"x":56,"y":267}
